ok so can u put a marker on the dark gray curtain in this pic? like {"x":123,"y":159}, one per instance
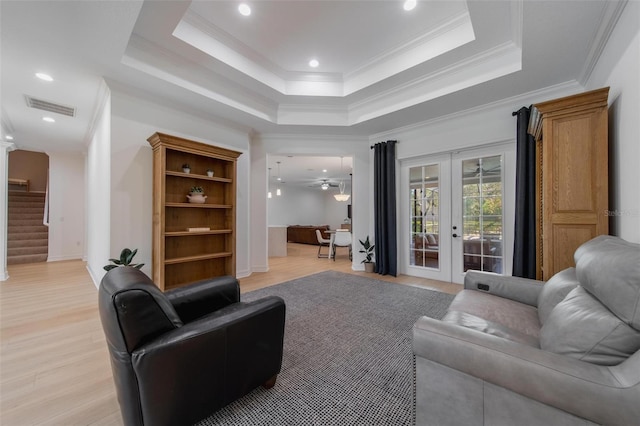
{"x":524,"y":250}
{"x":384,"y":198}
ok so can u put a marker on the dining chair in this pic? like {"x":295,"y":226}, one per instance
{"x":342,"y":238}
{"x":322,"y":242}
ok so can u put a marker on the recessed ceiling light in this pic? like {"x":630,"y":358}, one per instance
{"x":43,"y":76}
{"x":324,"y":170}
{"x":244,"y":9}
{"x":410,"y":4}
{"x":314,"y":63}
{"x":9,"y":137}
{"x":48,"y":119}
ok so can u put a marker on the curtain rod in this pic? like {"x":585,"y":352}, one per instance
{"x":374,"y":145}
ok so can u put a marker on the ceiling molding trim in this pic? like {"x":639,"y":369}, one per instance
{"x":610,"y":16}
{"x":140,"y":54}
{"x":275,"y":137}
{"x":199,"y":33}
{"x":491,"y":64}
{"x":452,"y":34}
{"x":544,"y":94}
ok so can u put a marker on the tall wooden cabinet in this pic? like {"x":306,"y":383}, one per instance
{"x":573,"y":189}
{"x":192,"y":241}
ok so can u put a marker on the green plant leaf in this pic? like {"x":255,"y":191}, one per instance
{"x":139,"y":265}
{"x":110,"y":267}
{"x":130,"y":257}
{"x":124,"y":254}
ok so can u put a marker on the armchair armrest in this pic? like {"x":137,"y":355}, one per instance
{"x":203,"y":297}
{"x":590,"y":391}
{"x":521,"y":290}
{"x":226,"y":353}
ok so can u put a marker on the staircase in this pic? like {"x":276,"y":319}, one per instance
{"x":27,"y":237}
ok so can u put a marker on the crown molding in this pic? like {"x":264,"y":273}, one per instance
{"x":490,"y":64}
{"x":558,"y":90}
{"x":450,"y":35}
{"x":151,"y":59}
{"x":610,"y":16}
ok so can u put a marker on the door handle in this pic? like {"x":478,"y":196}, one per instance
{"x":454,"y":235}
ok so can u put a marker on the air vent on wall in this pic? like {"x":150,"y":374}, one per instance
{"x":50,"y":106}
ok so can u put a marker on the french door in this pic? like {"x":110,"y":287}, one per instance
{"x":457,"y":213}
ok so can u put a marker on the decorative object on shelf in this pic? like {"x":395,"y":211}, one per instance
{"x":186,"y":168}
{"x":367,"y":249}
{"x":209,"y":172}
{"x":196,"y":195}
{"x":341,"y":196}
{"x":200,"y":229}
{"x":126,"y":257}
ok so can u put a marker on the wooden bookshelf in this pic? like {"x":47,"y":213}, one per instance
{"x":192,"y":241}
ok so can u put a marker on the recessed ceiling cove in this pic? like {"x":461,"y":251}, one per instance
{"x":275,"y":44}
{"x":375,"y":57}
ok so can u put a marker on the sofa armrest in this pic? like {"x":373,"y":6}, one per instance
{"x":521,"y":290}
{"x":227,"y":353}
{"x":586,"y":390}
{"x":203,"y":297}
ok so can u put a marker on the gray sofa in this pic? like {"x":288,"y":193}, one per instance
{"x":513,"y":351}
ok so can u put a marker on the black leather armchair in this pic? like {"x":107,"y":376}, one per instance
{"x":179,"y":356}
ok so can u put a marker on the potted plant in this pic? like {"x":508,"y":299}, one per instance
{"x":196,"y":195}
{"x":367,"y":249}
{"x":210,"y":172}
{"x":186,"y":168}
{"x":126,"y":257}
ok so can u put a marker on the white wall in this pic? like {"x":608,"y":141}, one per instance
{"x":306,"y":145}
{"x":67,"y":200}
{"x":305,"y":206}
{"x":99,"y":194}
{"x":296,"y":206}
{"x":335,"y":212}
{"x":133,"y":121}
{"x":619,"y":68}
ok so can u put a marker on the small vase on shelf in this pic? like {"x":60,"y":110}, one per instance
{"x":196,"y":195}
{"x":210,"y":173}
{"x":186,"y":168}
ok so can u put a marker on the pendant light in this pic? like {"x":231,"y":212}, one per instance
{"x":341,"y":196}
{"x":278,"y":192}
{"x":269,"y":185}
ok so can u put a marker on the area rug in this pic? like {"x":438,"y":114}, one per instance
{"x":347,"y":354}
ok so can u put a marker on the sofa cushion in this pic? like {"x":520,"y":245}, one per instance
{"x":473,"y":322}
{"x":581,"y":327}
{"x":498,"y":312}
{"x":609,"y":268}
{"x":554,"y":291}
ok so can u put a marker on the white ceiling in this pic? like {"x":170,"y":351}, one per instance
{"x":380,"y":67}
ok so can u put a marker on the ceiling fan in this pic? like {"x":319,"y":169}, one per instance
{"x":494,"y":171}
{"x":325,"y":184}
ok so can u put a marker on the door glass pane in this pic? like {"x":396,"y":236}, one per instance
{"x":482,"y":214}
{"x":424,"y":187}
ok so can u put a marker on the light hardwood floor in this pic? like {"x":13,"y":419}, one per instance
{"x":54,"y":365}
